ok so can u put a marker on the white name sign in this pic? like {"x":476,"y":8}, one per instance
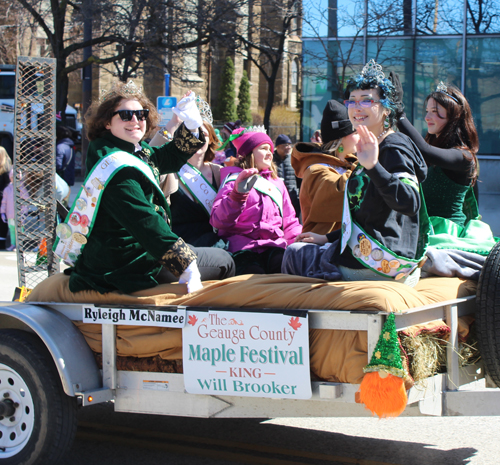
{"x":246,"y":354}
{"x":175,"y":318}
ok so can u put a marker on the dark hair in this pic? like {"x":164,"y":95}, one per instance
{"x":385,"y":90}
{"x":213,"y":142}
{"x":62,"y":132}
{"x":460,"y":131}
{"x":100,"y":113}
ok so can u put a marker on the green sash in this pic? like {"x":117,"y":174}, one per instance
{"x":370,"y":252}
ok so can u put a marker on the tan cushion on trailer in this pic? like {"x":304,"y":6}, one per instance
{"x":337,"y":356}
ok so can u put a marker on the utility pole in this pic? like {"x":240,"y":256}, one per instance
{"x":86,"y":75}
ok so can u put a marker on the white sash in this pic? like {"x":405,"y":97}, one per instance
{"x":71,"y":236}
{"x":198,"y":186}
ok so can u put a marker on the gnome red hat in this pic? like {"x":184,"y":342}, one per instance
{"x":245,"y":140}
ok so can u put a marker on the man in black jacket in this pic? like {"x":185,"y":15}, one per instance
{"x":282,"y":160}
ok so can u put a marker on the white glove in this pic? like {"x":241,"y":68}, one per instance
{"x":188,"y":112}
{"x":192,"y":277}
{"x":4,"y":218}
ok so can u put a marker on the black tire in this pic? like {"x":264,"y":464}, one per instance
{"x":488,"y":314}
{"x":44,"y":424}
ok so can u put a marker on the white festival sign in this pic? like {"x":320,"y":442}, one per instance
{"x":246,"y":354}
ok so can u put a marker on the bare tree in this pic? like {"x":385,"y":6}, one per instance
{"x":126,"y":33}
{"x":171,"y":32}
{"x":17,"y":31}
{"x":483,"y":16}
{"x":261,"y":31}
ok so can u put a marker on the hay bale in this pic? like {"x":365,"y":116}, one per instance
{"x":426,"y":353}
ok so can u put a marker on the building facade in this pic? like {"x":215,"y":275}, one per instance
{"x":425,"y":41}
{"x":196,"y":68}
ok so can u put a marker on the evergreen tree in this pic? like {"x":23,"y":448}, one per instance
{"x":243,"y":110}
{"x":226,"y":107}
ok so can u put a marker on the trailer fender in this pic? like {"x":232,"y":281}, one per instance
{"x":71,"y":354}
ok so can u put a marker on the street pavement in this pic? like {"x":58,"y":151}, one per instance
{"x":8,"y":273}
{"x":105,"y":437}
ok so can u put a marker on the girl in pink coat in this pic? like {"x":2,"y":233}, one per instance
{"x":253,"y":210}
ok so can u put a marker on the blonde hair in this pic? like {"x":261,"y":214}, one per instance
{"x":5,"y":163}
{"x":249,"y":162}
{"x":332,"y":146}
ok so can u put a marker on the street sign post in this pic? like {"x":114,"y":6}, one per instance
{"x":164,"y":105}
{"x":167,"y":84}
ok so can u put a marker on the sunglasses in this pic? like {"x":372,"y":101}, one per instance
{"x":362,"y":103}
{"x":127,"y":115}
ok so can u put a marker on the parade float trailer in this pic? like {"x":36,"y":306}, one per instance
{"x":246,"y":347}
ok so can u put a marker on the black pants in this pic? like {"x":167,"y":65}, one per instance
{"x":267,"y":262}
{"x":213,"y":263}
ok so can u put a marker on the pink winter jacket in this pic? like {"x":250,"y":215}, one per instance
{"x":252,"y":221}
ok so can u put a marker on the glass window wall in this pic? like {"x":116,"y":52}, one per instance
{"x":333,"y":18}
{"x":430,"y":50}
{"x":435,"y":60}
{"x":329,"y":65}
{"x":439,"y":17}
{"x":483,"y":90}
{"x":389,"y":17}
{"x":483,"y":17}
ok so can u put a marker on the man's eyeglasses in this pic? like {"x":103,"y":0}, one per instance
{"x":361,"y":103}
{"x":127,"y":115}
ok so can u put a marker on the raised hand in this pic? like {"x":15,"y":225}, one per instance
{"x":187,"y":111}
{"x":243,"y":184}
{"x":367,"y":148}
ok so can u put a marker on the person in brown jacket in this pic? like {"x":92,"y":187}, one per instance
{"x":324,"y":169}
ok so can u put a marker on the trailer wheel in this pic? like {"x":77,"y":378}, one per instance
{"x":37,"y":418}
{"x":488,"y":314}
